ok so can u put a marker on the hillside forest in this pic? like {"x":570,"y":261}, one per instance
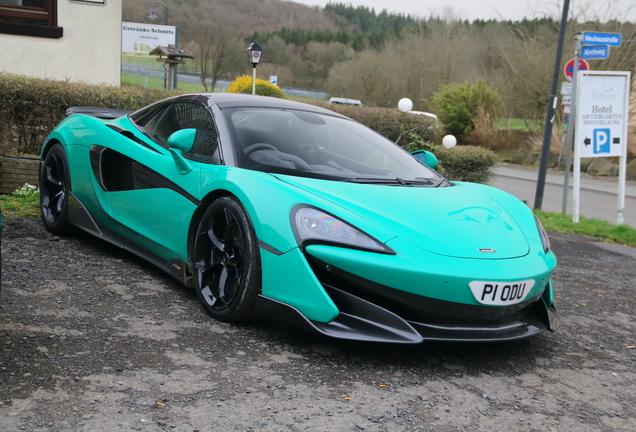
{"x":381,"y":57}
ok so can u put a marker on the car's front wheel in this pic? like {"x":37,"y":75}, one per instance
{"x":226,"y":260}
{"x":54,"y":190}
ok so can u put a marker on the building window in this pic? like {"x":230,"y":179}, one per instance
{"x":29,"y":18}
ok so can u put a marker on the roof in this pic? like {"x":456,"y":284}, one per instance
{"x":237,"y":100}
{"x":171,"y":52}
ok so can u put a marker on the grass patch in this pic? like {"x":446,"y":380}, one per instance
{"x":305,"y":99}
{"x":602,"y":230}
{"x":519,"y":124}
{"x":24,"y":202}
{"x":128,"y":78}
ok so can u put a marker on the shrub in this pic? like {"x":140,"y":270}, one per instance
{"x":461,"y":163}
{"x":243,"y":84}
{"x":458,"y":106}
{"x":265,"y":90}
{"x":466,"y":163}
{"x":31,"y":107}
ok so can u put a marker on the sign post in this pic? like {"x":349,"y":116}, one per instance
{"x":569,"y":132}
{"x":589,"y":45}
{"x":601,"y":127}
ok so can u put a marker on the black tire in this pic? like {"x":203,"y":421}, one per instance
{"x":55,"y":185}
{"x":226,"y":261}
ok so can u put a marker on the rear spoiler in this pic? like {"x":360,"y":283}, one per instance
{"x":102,"y":113}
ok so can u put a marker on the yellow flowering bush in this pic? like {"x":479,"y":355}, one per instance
{"x":243,"y":84}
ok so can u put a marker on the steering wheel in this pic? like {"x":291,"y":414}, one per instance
{"x":258,"y":146}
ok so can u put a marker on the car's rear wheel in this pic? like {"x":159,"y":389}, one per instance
{"x":54,"y":190}
{"x":226,"y":260}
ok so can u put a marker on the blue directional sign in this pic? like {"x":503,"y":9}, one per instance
{"x":598,"y":38}
{"x":595,"y":52}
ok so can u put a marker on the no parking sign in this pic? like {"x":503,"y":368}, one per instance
{"x":568,"y":70}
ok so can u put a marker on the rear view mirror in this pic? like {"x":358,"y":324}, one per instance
{"x":426,"y":157}
{"x":182,"y":139}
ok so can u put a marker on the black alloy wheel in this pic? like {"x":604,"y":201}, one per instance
{"x":54,"y":190}
{"x":227,"y":263}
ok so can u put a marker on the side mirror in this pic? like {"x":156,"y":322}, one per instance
{"x":180,"y":141}
{"x":426,"y":157}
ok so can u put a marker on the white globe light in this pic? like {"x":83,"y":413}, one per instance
{"x":405,"y":105}
{"x":449,"y":141}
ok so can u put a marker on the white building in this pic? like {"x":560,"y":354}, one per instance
{"x":74,"y":40}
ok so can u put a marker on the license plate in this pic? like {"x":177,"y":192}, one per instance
{"x":501,"y":293}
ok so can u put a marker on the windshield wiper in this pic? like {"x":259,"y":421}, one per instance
{"x":392,"y":181}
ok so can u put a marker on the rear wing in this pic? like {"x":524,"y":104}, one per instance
{"x":102,"y":113}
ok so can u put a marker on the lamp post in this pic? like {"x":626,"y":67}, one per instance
{"x":256,"y":52}
{"x":153,"y":15}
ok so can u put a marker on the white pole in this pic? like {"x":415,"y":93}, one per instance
{"x":254,"y":81}
{"x":576,"y":187}
{"x":622,"y":168}
{"x":570,"y":130}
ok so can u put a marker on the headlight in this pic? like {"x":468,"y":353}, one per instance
{"x":544,"y":236}
{"x":313,"y":225}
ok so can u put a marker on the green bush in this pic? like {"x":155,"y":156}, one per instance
{"x":466,"y":163}
{"x":265,"y":90}
{"x":30,"y":107}
{"x":243,"y":84}
{"x":390,"y":122}
{"x":459,"y":105}
{"x":461,"y":163}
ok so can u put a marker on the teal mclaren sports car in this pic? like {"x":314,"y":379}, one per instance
{"x":278,"y":210}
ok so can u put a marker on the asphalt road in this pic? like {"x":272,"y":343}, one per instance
{"x":599,"y":197}
{"x":94,"y":339}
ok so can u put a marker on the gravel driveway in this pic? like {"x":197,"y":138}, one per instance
{"x":94,"y":339}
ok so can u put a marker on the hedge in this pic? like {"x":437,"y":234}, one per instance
{"x":30,"y":107}
{"x":466,"y":163}
{"x":461,"y":163}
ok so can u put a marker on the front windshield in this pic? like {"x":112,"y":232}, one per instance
{"x":322,"y":146}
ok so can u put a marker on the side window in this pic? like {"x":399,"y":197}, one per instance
{"x":189,"y":116}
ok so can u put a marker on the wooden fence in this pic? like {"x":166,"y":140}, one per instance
{"x":15,"y":171}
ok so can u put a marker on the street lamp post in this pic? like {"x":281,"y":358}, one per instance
{"x":153,"y":16}
{"x":256,"y":53}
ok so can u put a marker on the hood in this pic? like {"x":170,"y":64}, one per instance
{"x":459,"y":221}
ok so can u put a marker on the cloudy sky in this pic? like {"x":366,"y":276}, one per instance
{"x":498,"y":9}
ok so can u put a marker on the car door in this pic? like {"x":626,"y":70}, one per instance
{"x":150,"y":196}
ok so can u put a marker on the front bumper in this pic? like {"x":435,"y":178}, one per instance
{"x":361,"y":320}
{"x":407,"y":297}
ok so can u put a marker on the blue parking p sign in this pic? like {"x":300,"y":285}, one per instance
{"x":601,"y":141}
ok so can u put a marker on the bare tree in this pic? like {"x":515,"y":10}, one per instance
{"x":218,"y":52}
